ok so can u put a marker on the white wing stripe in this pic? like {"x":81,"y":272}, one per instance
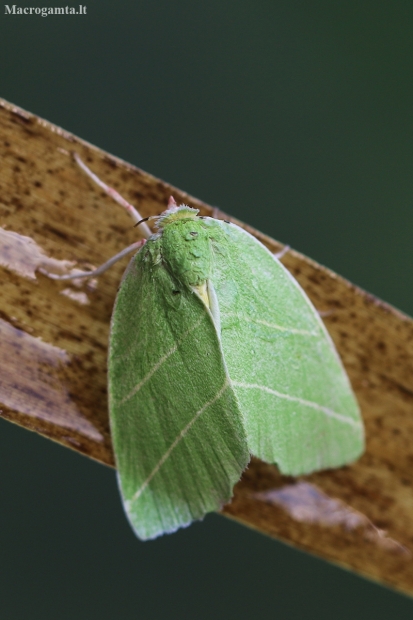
{"x":163,"y":359}
{"x":281,"y":328}
{"x":176,"y":441}
{"x":307,"y":403}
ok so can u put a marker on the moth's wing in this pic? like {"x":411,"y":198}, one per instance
{"x":298,"y":406}
{"x":178,"y":437}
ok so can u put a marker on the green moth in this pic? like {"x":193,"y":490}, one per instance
{"x":216,"y":354}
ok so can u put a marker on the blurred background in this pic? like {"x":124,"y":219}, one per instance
{"x":295,"y":117}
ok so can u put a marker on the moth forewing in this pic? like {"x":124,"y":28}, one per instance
{"x":297,"y":403}
{"x":177,"y":431}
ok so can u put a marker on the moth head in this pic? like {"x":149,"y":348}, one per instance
{"x":174,"y":213}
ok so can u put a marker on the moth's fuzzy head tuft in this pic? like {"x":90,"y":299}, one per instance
{"x":174,"y":213}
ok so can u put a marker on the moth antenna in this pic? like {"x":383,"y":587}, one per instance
{"x":145,"y":219}
{"x":110,"y":191}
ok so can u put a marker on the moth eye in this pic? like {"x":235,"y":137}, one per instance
{"x":175,"y":292}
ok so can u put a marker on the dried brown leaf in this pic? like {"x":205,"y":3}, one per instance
{"x":54,"y":339}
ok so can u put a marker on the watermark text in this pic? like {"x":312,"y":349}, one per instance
{"x":44,"y":11}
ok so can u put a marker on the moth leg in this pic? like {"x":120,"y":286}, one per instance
{"x":99,"y":270}
{"x":281,"y":253}
{"x":217,"y":214}
{"x":324,"y":313}
{"x":110,"y":191}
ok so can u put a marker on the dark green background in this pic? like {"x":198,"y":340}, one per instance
{"x":295,"y":117}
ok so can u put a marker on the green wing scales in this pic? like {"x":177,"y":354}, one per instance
{"x":177,"y":430}
{"x":298,"y":407}
{"x":193,"y":390}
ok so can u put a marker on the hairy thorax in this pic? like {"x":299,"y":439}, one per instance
{"x":186,"y":251}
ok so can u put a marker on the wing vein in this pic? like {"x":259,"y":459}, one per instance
{"x":176,"y":441}
{"x":281,"y":328}
{"x":308,"y":403}
{"x":158,"y":364}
